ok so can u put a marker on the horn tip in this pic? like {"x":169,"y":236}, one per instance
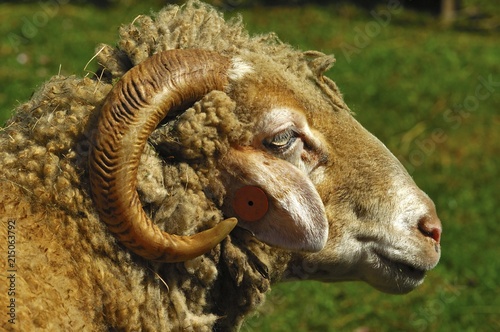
{"x":226,"y":226}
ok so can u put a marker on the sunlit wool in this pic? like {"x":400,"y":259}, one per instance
{"x":73,"y":274}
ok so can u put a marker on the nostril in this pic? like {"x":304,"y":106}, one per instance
{"x":430,"y":226}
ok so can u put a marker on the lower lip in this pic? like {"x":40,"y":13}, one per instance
{"x":411,"y":271}
{"x":402,"y":268}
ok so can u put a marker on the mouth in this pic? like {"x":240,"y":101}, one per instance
{"x":393,"y":274}
{"x":402,"y":269}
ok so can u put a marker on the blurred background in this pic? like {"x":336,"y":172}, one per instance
{"x":423,"y":76}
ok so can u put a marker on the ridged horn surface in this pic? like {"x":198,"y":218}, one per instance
{"x":132,"y":110}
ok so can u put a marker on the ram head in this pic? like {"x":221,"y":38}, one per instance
{"x":299,"y":174}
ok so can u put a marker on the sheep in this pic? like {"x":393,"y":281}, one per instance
{"x":198,"y":167}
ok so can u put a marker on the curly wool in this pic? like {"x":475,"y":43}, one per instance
{"x":44,"y":186}
{"x":44,"y":159}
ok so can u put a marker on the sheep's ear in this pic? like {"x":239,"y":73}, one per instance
{"x":294,"y":217}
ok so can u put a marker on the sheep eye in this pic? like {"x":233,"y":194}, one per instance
{"x":281,"y":141}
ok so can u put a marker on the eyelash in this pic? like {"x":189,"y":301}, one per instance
{"x":282,"y":141}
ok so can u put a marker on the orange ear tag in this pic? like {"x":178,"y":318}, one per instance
{"x":250,"y":203}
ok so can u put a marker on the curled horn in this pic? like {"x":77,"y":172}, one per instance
{"x":132,"y":110}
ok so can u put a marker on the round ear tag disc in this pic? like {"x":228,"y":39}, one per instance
{"x":250,"y":203}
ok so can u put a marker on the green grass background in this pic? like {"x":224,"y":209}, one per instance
{"x":416,"y":85}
